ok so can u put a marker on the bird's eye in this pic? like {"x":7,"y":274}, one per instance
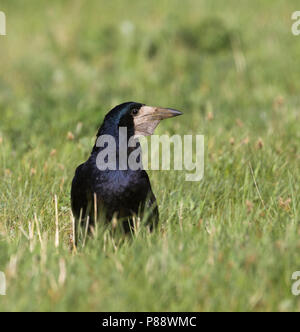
{"x":134,"y":111}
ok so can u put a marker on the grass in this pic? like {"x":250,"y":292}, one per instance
{"x":230,"y":242}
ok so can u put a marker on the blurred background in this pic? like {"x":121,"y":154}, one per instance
{"x":71,"y":61}
{"x":233,"y":69}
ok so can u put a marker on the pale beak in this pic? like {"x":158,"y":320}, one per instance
{"x":157,"y":113}
{"x":149,"y":117}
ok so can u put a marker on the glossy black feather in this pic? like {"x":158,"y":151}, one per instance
{"x":123,"y":193}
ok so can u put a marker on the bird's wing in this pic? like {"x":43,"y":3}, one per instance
{"x":79,"y":192}
{"x":151,"y":204}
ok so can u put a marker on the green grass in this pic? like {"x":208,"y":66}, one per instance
{"x":224,"y":243}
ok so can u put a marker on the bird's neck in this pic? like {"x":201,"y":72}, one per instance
{"x":121,"y":135}
{"x":119,"y":142}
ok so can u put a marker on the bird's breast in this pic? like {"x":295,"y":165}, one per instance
{"x":121,"y":187}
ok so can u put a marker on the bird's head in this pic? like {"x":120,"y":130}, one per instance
{"x":139,"y":119}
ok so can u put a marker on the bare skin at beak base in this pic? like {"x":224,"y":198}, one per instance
{"x":149,"y":117}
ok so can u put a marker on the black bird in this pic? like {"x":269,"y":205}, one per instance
{"x":121,"y":193}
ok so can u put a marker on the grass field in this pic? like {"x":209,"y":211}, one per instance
{"x":230,"y":242}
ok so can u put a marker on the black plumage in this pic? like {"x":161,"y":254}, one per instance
{"x":118,"y":193}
